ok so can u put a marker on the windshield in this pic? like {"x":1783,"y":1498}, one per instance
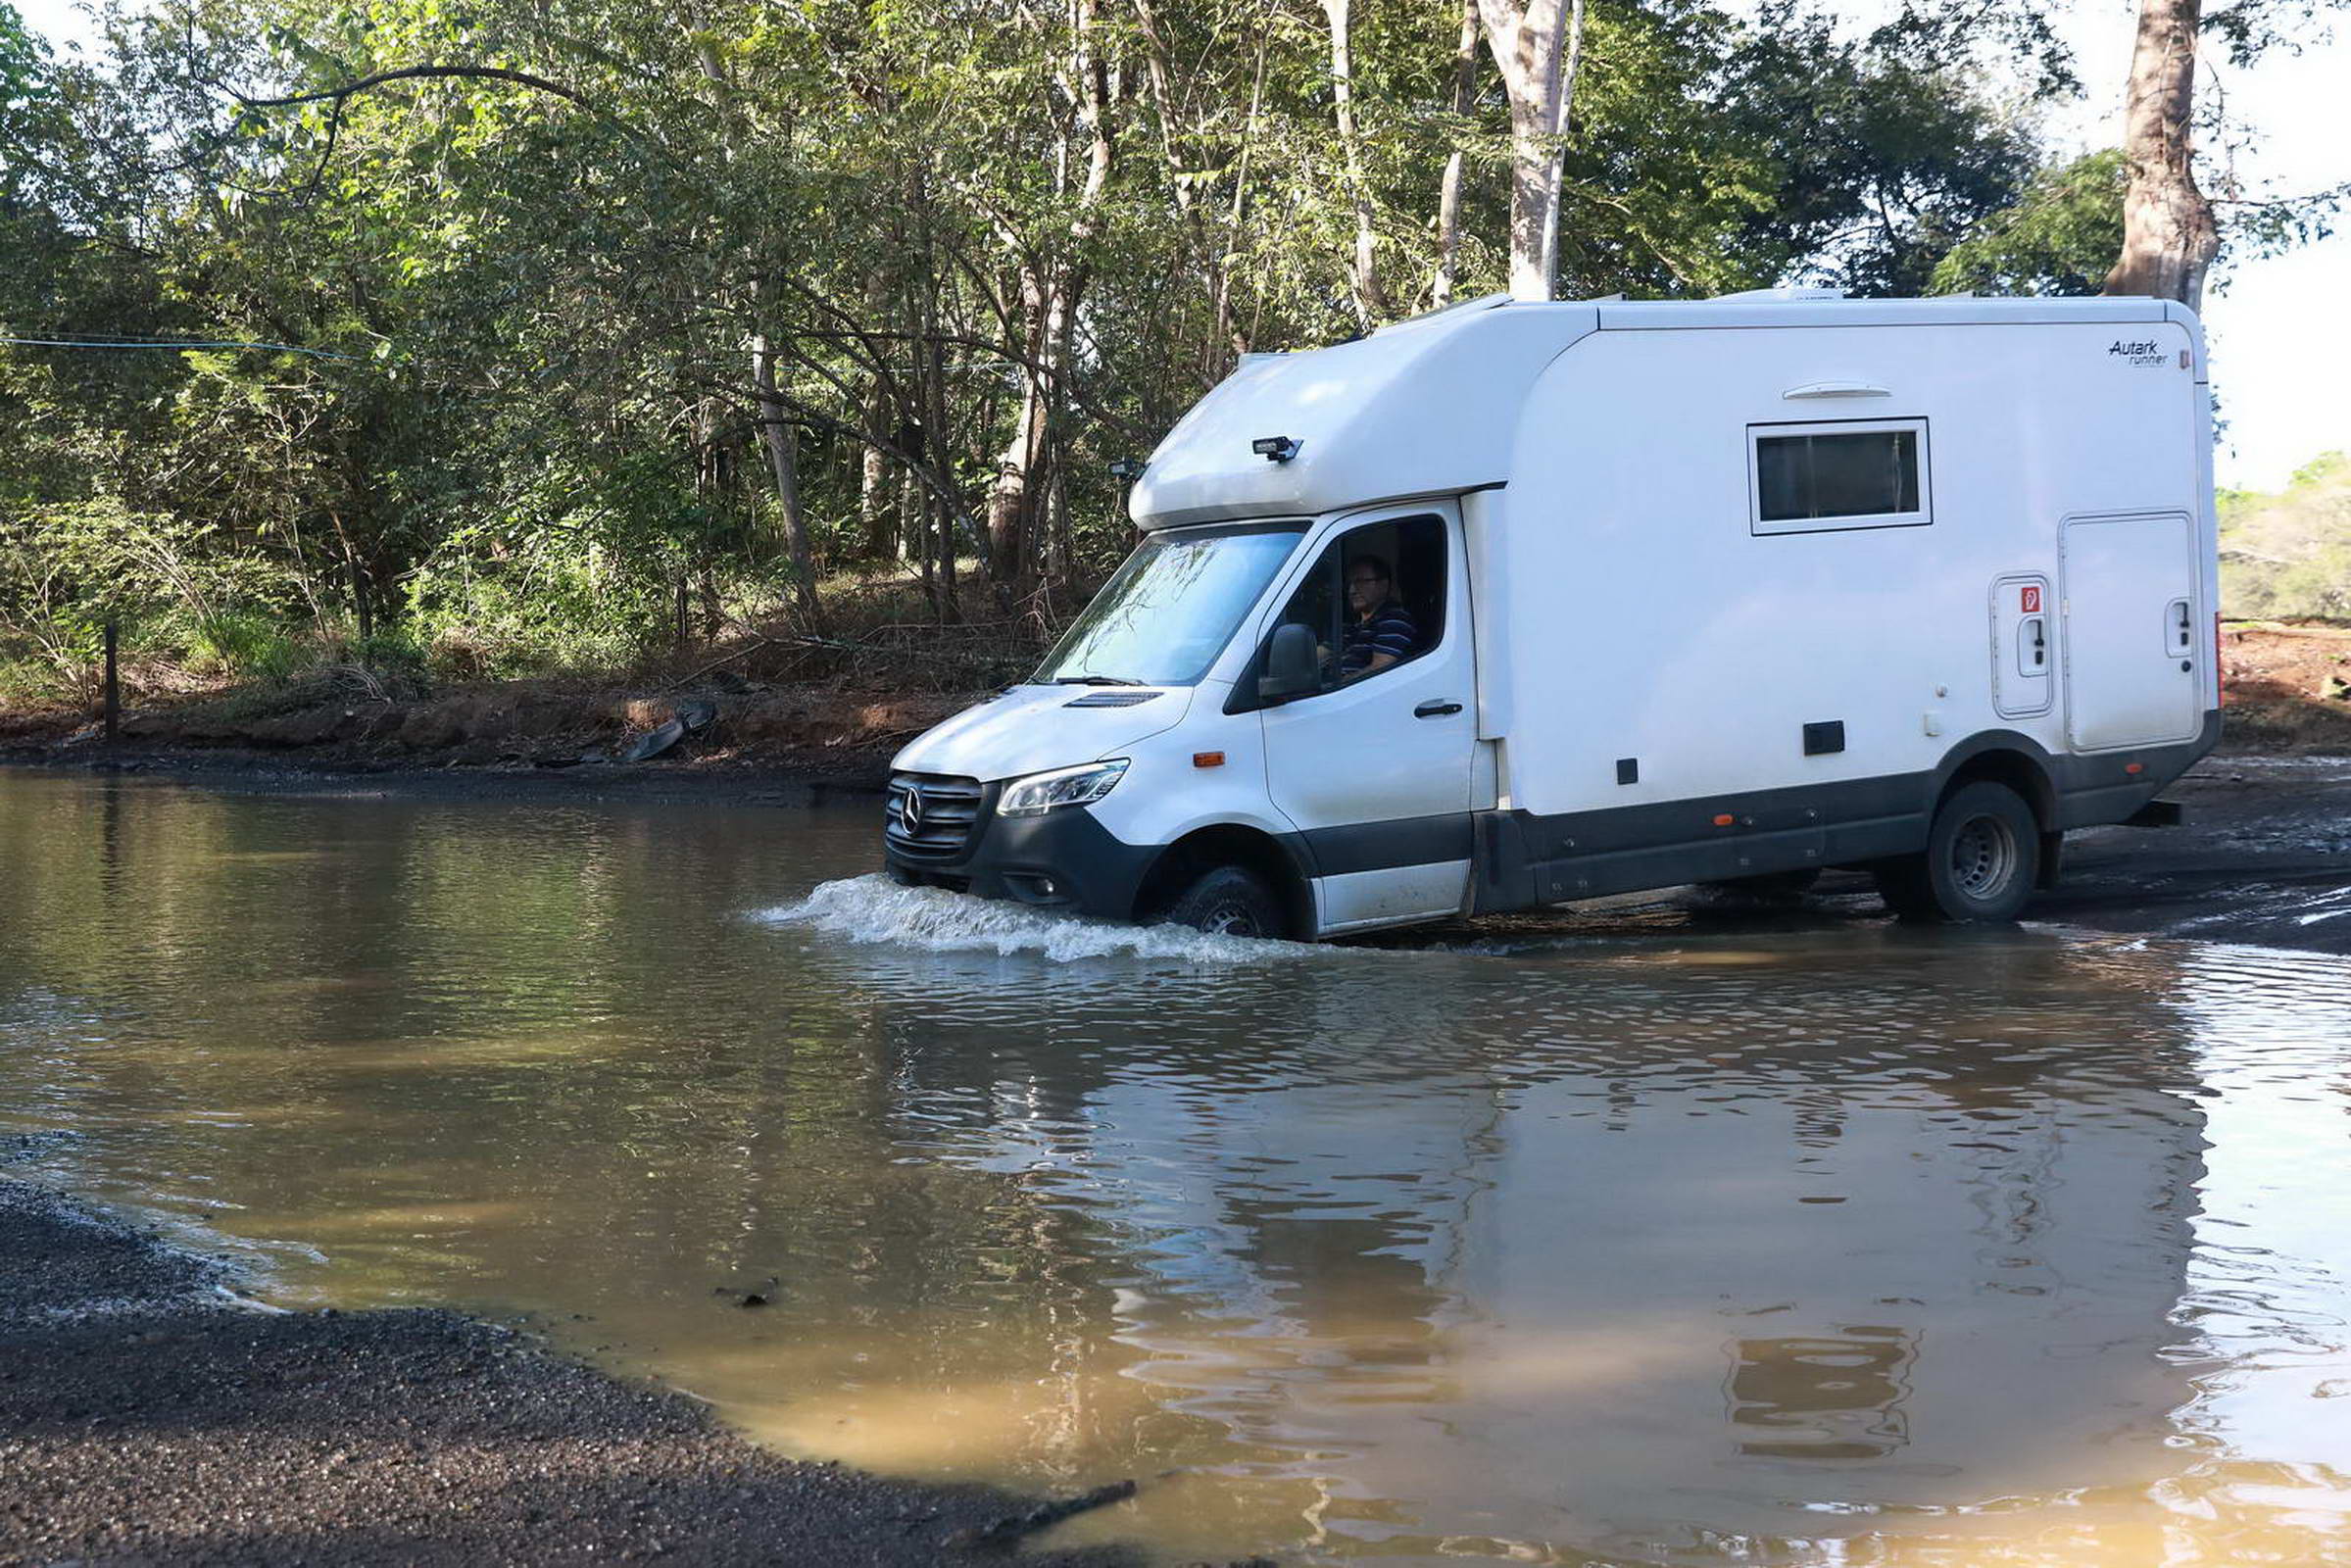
{"x":1163,"y":618}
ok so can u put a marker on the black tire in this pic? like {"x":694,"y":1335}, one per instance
{"x":1983,"y":857}
{"x":1229,"y":901}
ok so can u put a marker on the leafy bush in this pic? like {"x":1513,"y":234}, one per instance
{"x":170,"y":586}
{"x":248,"y":645}
{"x":394,"y":655}
{"x":579,"y":572}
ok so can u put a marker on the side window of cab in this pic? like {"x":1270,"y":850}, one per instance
{"x":1375,"y":599}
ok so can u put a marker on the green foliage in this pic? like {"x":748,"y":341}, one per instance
{"x":67,"y":568}
{"x":2288,"y":556}
{"x":2060,"y":238}
{"x":23,"y":63}
{"x":1876,"y":163}
{"x":246,"y":643}
{"x":508,"y":376}
{"x":395,"y":656}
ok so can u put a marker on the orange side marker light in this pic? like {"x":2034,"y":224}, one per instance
{"x":1207,"y":759}
{"x":1725,"y":819}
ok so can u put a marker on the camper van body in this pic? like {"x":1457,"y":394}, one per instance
{"x":1705,"y":591}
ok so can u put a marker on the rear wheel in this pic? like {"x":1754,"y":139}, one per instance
{"x":1228,"y":900}
{"x":1983,"y":857}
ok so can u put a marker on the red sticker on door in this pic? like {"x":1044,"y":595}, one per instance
{"x":2031,"y":599}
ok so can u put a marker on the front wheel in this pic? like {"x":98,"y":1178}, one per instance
{"x":1983,"y":857}
{"x":1228,"y":900}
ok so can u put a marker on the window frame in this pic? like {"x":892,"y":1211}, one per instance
{"x":1757,"y":434}
{"x":1245,"y":699}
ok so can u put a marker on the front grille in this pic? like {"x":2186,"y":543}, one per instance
{"x":944,"y":825}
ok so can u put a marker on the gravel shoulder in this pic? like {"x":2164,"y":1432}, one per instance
{"x":149,"y":1415}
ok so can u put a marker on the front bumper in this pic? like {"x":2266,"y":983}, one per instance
{"x":1063,"y":859}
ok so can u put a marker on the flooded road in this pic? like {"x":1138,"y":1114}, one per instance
{"x":1657,"y":1243}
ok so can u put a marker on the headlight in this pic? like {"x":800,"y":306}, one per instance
{"x":1040,"y":792}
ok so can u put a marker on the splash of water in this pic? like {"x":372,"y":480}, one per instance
{"x":872,"y":909}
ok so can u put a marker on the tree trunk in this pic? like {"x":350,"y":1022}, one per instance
{"x":783,"y":466}
{"x":2168,"y":235}
{"x":1051,"y":287}
{"x":1012,"y":498}
{"x":1557,"y":177}
{"x":769,"y":407}
{"x":1371,"y":304}
{"x":878,"y":530}
{"x":1208,"y":253}
{"x":1537,"y":46}
{"x":1448,"y":194}
{"x":877,"y":524}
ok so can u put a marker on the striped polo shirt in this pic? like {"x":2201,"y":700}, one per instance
{"x":1391,"y":631}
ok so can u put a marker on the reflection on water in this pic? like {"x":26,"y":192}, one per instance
{"x":1541,"y":1243}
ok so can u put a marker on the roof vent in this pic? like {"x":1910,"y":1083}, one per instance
{"x":1836,"y":389}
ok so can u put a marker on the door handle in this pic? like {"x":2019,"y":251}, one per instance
{"x":1435,"y":708}
{"x":2180,"y":626}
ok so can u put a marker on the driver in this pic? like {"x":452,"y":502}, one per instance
{"x":1382,"y":631}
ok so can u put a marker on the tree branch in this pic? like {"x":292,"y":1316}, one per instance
{"x":522,"y":79}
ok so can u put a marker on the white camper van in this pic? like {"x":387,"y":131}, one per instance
{"x":1517,"y":604}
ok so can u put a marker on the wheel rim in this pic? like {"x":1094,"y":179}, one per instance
{"x":1984,"y":856}
{"x":1230,"y":921}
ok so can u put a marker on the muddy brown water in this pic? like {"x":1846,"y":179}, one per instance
{"x":1797,"y":1242}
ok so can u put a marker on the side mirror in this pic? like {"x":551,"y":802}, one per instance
{"x":1293,"y":668}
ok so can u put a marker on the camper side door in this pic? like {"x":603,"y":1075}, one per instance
{"x":1373,"y":766}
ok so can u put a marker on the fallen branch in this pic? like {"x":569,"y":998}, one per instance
{"x":1008,"y":1532}
{"x":715,"y":665}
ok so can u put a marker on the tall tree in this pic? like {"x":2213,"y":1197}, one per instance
{"x":1371,"y":300}
{"x":1537,"y":45}
{"x":1448,"y":188}
{"x":2170,"y":235}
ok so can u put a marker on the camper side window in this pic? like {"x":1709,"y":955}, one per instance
{"x":1809,"y":478}
{"x":1375,"y":599}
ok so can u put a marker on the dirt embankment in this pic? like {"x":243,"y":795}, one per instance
{"x":2287,"y":688}
{"x":150,"y":1415}
{"x":2288,"y":691}
{"x":347,"y":720}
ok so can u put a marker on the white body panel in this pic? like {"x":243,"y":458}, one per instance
{"x":1633,"y":622}
{"x":1412,"y":410}
{"x":2131,"y":631}
{"x":1675,"y":635}
{"x":1030,"y":729}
